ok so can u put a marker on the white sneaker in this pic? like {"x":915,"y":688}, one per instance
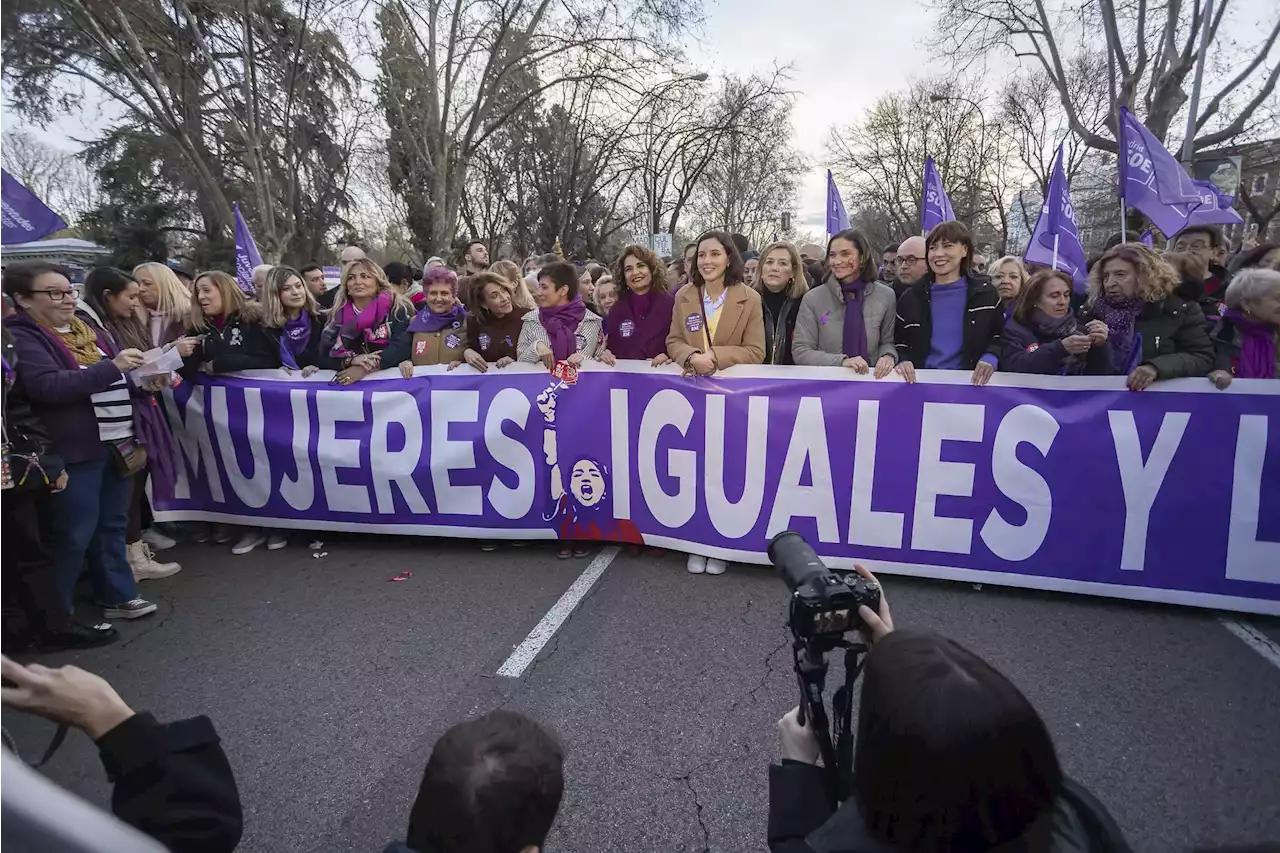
{"x":696,"y":565}
{"x":143,"y":562}
{"x":277,"y":540}
{"x":250,"y":540}
{"x":716,"y":567}
{"x":157,"y":540}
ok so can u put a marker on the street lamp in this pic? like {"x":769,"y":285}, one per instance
{"x":651,"y":220}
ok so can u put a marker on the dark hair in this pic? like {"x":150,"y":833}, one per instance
{"x":127,"y":331}
{"x":562,"y":274}
{"x":951,"y":232}
{"x":1025,"y":302}
{"x":398,"y":272}
{"x":687,"y":247}
{"x":657,"y":270}
{"x":868,"y":271}
{"x":1117,"y":238}
{"x":548,"y":258}
{"x":471,"y":243}
{"x":309,"y":268}
{"x":1214,"y":234}
{"x":951,"y":757}
{"x":732,"y":273}
{"x":492,"y":785}
{"x":475,"y":294}
{"x":741,"y":241}
{"x":20,"y":278}
{"x":596,"y":269}
{"x":1254,"y":256}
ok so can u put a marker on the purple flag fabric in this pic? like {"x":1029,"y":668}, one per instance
{"x":1153,"y":181}
{"x":1215,"y":208}
{"x":247,"y":256}
{"x":23,"y":217}
{"x":1148,"y":239}
{"x":1056,"y":233}
{"x":935,"y":207}
{"x":837,"y":218}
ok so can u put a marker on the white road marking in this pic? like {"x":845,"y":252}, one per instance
{"x":527,"y":651}
{"x":1255,"y":639}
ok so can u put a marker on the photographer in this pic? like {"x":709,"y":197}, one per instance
{"x":950,"y":758}
{"x":172,"y":781}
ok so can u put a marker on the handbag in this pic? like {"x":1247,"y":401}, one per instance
{"x":130,"y":456}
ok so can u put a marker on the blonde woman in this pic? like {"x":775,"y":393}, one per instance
{"x":367,"y":315}
{"x":781,"y":285}
{"x":521,"y":298}
{"x":165,"y":299}
{"x":1009,"y":276}
{"x":291,"y":316}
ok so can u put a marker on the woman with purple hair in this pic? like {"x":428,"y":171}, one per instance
{"x":437,"y":334}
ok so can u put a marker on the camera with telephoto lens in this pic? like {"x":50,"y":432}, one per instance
{"x":824,"y":604}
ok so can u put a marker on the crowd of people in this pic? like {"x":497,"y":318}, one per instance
{"x":85,"y":435}
{"x":925,"y":779}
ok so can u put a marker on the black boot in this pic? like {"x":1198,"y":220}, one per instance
{"x":79,"y":636}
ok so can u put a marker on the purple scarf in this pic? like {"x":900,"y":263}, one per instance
{"x":352,"y":323}
{"x":1122,"y":334}
{"x":294,"y":337}
{"x":561,"y":323}
{"x":855,"y":329}
{"x":1257,"y":347}
{"x":428,"y":321}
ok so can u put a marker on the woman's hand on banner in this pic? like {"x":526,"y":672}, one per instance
{"x":907,"y":371}
{"x":857,"y":363}
{"x":1142,"y":376}
{"x":660,"y":359}
{"x":477,"y":361}
{"x":607,"y":357}
{"x":406,"y":369}
{"x":982,"y":373}
{"x":884,"y":366}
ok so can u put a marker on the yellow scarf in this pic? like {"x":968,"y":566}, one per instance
{"x":82,"y":342}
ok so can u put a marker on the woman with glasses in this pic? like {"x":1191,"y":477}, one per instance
{"x":75,"y":380}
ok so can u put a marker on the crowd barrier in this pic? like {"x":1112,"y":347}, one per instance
{"x":1072,"y":484}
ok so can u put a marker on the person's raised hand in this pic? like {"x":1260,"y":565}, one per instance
{"x":907,"y":371}
{"x":982,"y":373}
{"x":127,"y":359}
{"x":1142,"y":376}
{"x":857,"y":363}
{"x":1221,"y":379}
{"x":67,"y":695}
{"x":1077,"y":344}
{"x":875,"y":624}
{"x":884,"y":366}
{"x":799,"y":743}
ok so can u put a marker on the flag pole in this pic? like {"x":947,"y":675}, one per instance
{"x":1115,"y":118}
{"x":1055,"y":250}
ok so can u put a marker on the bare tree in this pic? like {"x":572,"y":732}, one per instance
{"x":57,"y":177}
{"x":1155,"y":50}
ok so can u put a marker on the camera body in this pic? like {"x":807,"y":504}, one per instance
{"x":824,"y":604}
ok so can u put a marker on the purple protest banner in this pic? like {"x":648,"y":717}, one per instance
{"x":935,"y":207}
{"x":1055,"y":242}
{"x":1069,"y":484}
{"x":247,"y":256}
{"x":837,"y":218}
{"x":23,"y":217}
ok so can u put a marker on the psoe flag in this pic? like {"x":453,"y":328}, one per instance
{"x":247,"y":256}
{"x":935,"y":207}
{"x":837,"y":218}
{"x":1152,"y":180}
{"x":23,"y":217}
{"x":1215,"y":208}
{"x":1056,"y":240}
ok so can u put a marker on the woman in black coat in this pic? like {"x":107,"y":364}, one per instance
{"x":781,"y":282}
{"x":1043,"y":336}
{"x":292,"y":318}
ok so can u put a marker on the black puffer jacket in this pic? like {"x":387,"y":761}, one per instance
{"x":240,"y":343}
{"x":984,"y":322}
{"x":1175,"y":340}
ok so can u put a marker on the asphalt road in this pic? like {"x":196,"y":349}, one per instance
{"x":329,"y":685}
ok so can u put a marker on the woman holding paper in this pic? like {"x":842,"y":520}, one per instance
{"x":291,"y":316}
{"x":74,"y":378}
{"x":368,"y":314}
{"x":111,"y":306}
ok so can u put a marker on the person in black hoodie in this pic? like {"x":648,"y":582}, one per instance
{"x":951,"y":319}
{"x":950,"y":756}
{"x":291,"y":316}
{"x":1043,"y":336}
{"x":782,"y":285}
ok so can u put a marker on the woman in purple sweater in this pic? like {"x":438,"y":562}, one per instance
{"x":637,"y":325}
{"x":74,"y":378}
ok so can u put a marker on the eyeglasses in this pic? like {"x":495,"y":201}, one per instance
{"x":1198,"y":246}
{"x":57,"y":295}
{"x":908,"y":260}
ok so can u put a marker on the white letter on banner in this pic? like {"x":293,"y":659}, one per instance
{"x":510,"y":405}
{"x":808,"y":441}
{"x":944,"y":422}
{"x":667,"y":408}
{"x":300,"y":493}
{"x":620,"y":444}
{"x":252,"y":492}
{"x":387,"y":466}
{"x":735,"y":520}
{"x":1142,"y":480}
{"x":1021,"y":483}
{"x":454,"y":407}
{"x":332,"y":408}
{"x":1249,"y":559}
{"x":192,"y":434}
{"x":867,"y":526}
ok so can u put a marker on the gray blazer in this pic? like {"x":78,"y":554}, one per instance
{"x":819,"y":337}
{"x":531,"y":332}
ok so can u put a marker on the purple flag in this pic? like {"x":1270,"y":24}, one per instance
{"x":23,"y":217}
{"x":1056,"y":240}
{"x":936,"y":207}
{"x":1215,"y":209}
{"x":247,"y":256}
{"x":1148,"y":239}
{"x":837,"y":219}
{"x":1153,"y":181}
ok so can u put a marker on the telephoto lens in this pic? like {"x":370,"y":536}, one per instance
{"x":795,"y":560}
